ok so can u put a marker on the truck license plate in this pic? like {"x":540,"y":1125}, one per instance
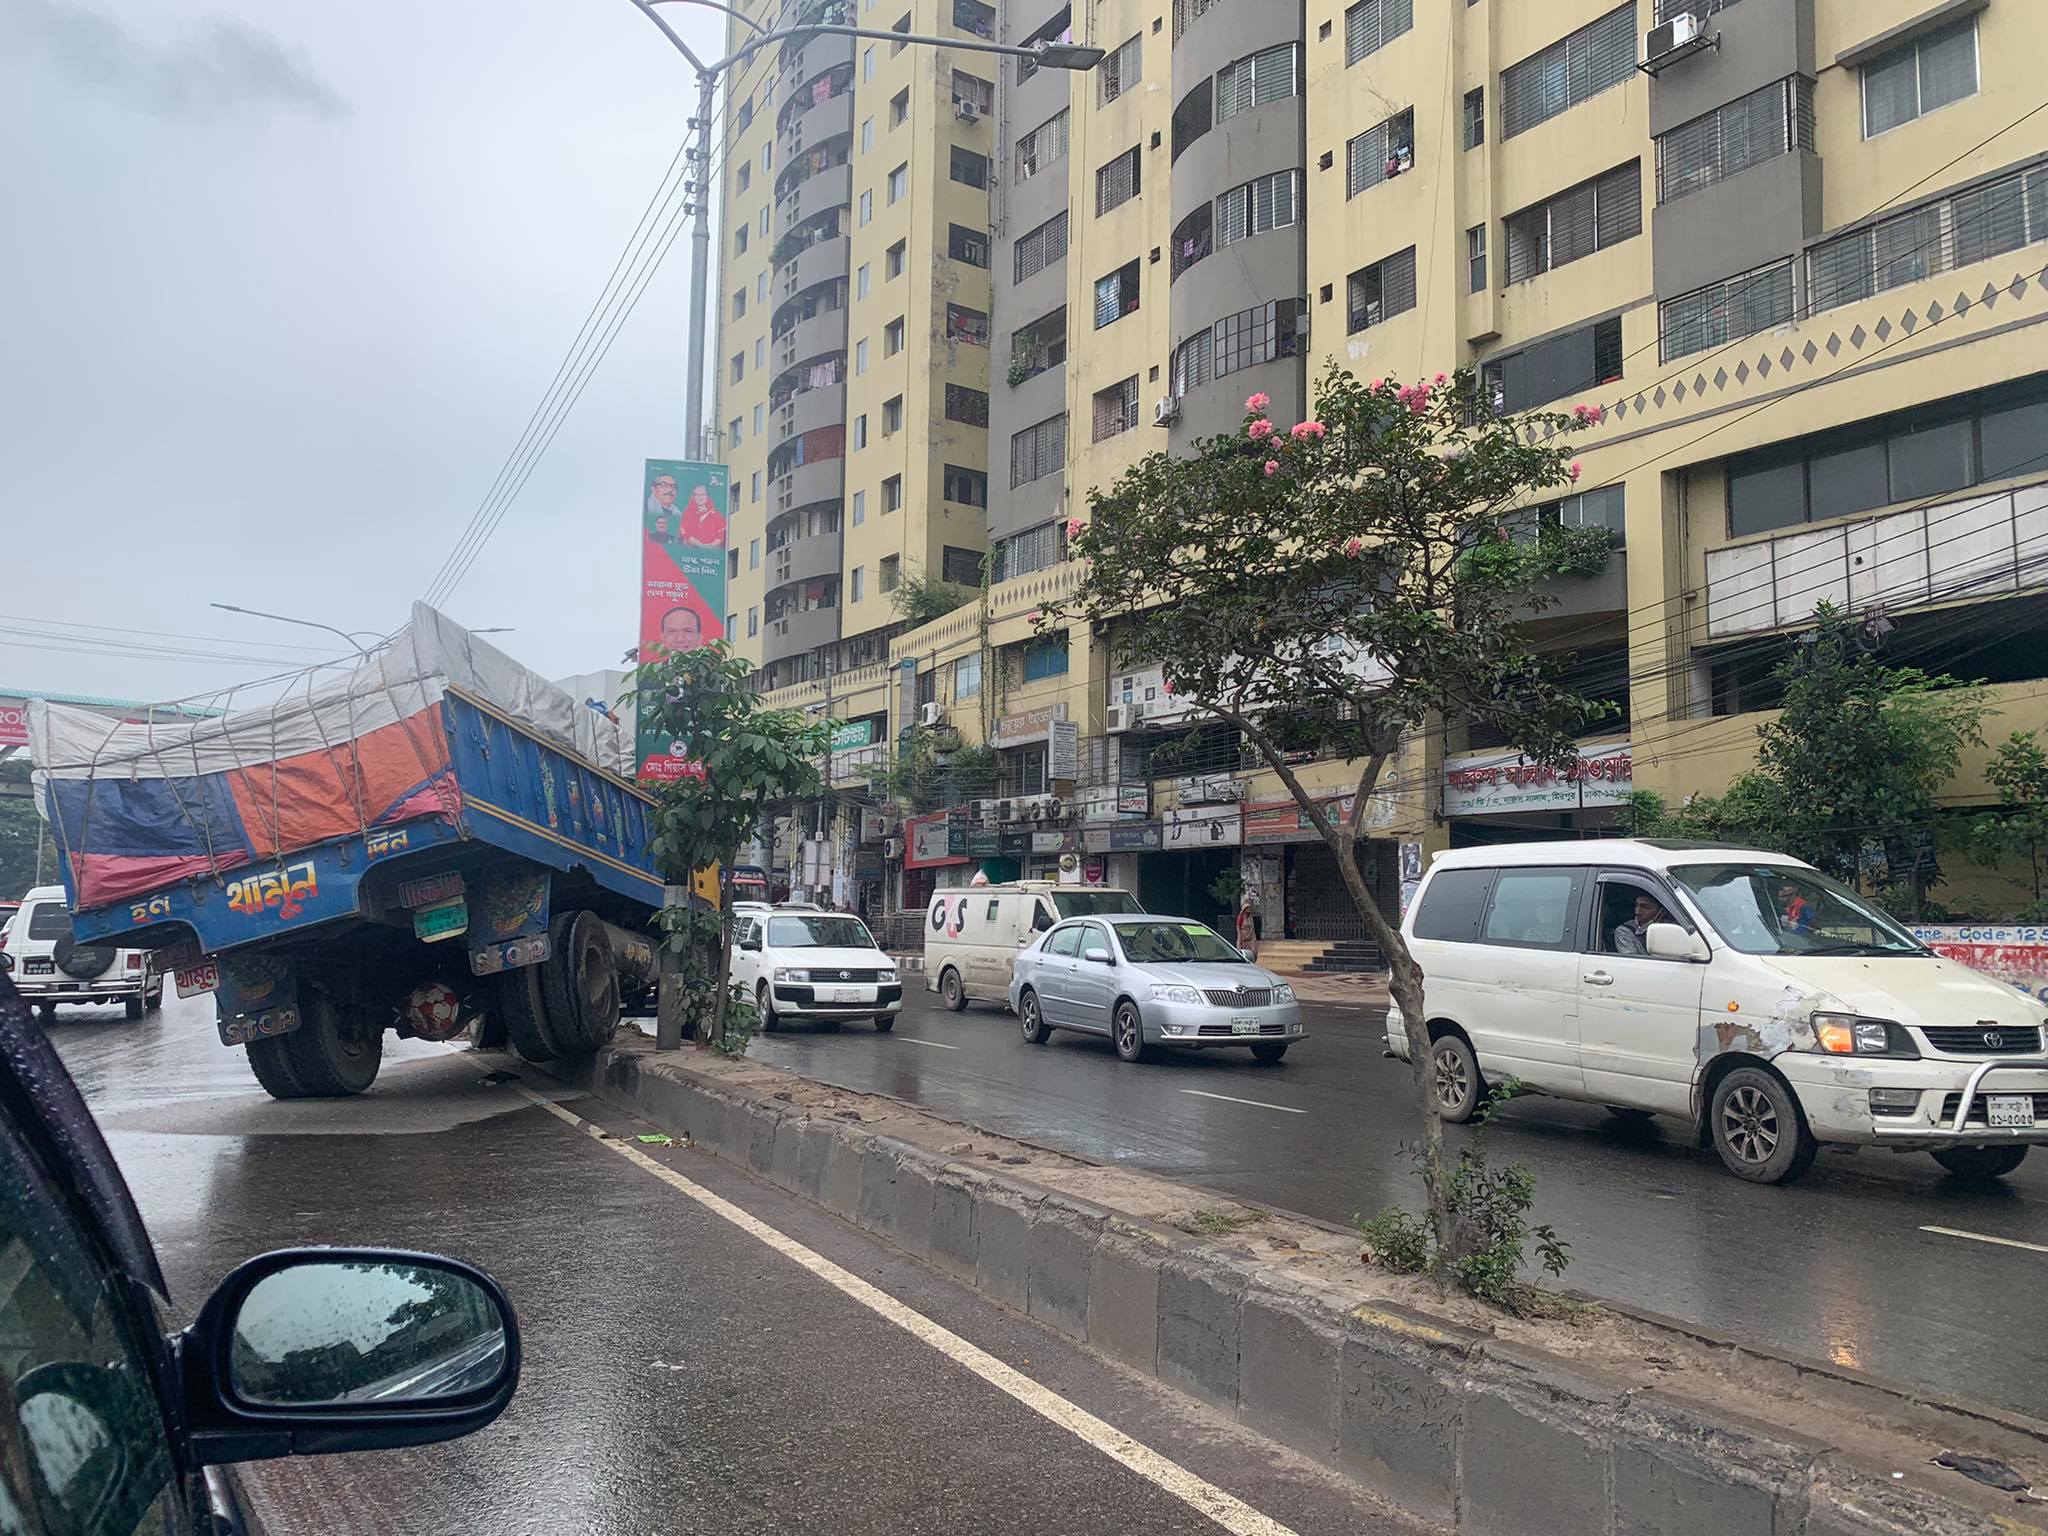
{"x":1244,"y":1026}
{"x":38,"y":968}
{"x":194,"y":979}
{"x":2010,"y":1111}
{"x":846,"y":995}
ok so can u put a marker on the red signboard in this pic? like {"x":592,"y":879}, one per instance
{"x":13,"y":722}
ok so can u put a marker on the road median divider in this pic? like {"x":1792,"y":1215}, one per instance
{"x":1609,"y":1421}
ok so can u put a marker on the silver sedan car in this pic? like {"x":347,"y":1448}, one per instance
{"x":1147,"y":981}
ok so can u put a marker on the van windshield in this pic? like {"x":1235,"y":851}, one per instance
{"x":820,"y":930}
{"x":1093,"y":903}
{"x":1773,"y":909}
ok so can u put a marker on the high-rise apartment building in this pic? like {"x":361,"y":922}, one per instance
{"x":854,"y":326}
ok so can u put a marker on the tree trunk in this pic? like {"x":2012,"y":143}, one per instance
{"x":724,"y":969}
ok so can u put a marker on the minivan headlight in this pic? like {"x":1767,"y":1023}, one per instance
{"x":1848,"y":1034}
{"x":1282,"y":993}
{"x":789,"y":973}
{"x":1190,"y":995}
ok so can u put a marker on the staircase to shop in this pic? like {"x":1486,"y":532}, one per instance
{"x":1322,"y":956}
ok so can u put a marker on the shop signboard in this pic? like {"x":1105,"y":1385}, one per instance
{"x":1095,"y":839}
{"x":13,"y":722}
{"x":984,"y":844}
{"x":1131,"y":837}
{"x":2014,"y":953}
{"x":928,"y":841}
{"x":852,"y":733}
{"x":1209,"y":789}
{"x":1184,"y":828}
{"x":1500,"y":783}
{"x":1015,"y":844}
{"x":1033,"y":725}
{"x":1054,"y":842}
{"x":1284,"y":821}
{"x":1063,"y":760}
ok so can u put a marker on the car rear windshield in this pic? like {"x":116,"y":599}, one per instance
{"x":49,"y":920}
{"x":1093,"y":903}
{"x":820,"y":931}
{"x":1167,"y":943}
{"x":1780,"y":909}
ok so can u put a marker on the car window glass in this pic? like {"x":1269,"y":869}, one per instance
{"x":1041,"y":916}
{"x":71,"y":1355}
{"x":1530,"y":906}
{"x":1094,"y":937}
{"x":1617,"y":909}
{"x":1064,"y":941}
{"x":48,"y":920}
{"x":1451,"y":905}
{"x":994,"y":906}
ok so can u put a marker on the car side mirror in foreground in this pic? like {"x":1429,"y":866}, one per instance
{"x":314,"y":1350}
{"x":1098,"y":956}
{"x":750,"y":944}
{"x":1669,"y":941}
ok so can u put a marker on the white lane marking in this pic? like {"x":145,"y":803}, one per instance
{"x":1981,"y":1237}
{"x":1255,"y":1103}
{"x":1233,"y":1514}
{"x":935,"y":1044}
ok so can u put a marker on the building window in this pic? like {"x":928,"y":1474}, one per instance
{"x":889,"y":573}
{"x":1916,"y":78}
{"x":899,"y":183}
{"x":754,"y":487}
{"x":1035,"y":549}
{"x":1475,"y":258}
{"x":1930,"y":450}
{"x":1725,"y":311}
{"x":867,"y":64}
{"x":1381,"y":291}
{"x":753,"y":622}
{"x":860,"y":357}
{"x":1475,"y":117}
{"x":1191,"y":119}
{"x":1269,"y":75}
{"x":899,"y":107}
{"x":1191,"y":362}
{"x":1372,"y":24}
{"x":1256,"y":335}
{"x":968,"y":326}
{"x":1117,"y":182}
{"x":753,"y":554}
{"x":764,"y":220}
{"x":859,"y":571}
{"x":966,"y":405}
{"x":892,"y":494}
{"x":760,"y":351}
{"x":1041,"y":247}
{"x":860,"y":431}
{"x":1038,"y":346}
{"x":867,"y":207}
{"x":893,"y":258}
{"x":1116,"y":409}
{"x":1194,"y":238}
{"x":973,"y":92}
{"x":1606,"y":508}
{"x":1383,"y":151}
{"x":1258,"y":207}
{"x":968,"y":245}
{"x":1045,"y":658}
{"x":968,"y":487}
{"x":1747,"y":131}
{"x":900,"y":24}
{"x":1550,"y":370}
{"x":962,"y":567}
{"x":892,"y":337}
{"x":892,"y":415}
{"x":1575,"y":223}
{"x":1118,"y":71}
{"x":741,"y":123}
{"x":739,"y":303}
{"x":1116,"y":295}
{"x":732,"y":564}
{"x":733,"y":432}
{"x":1577,"y":68}
{"x":1038,"y":451}
{"x":1057,"y":28}
{"x":861,"y":281}
{"x":967,"y":677}
{"x":761,"y":288}
{"x":867,"y":134}
{"x":860,"y":508}
{"x":739,"y":240}
{"x":739,"y":366}
{"x":1186,"y":12}
{"x":1972,"y":225}
{"x":1043,"y":146}
{"x":757,"y":420}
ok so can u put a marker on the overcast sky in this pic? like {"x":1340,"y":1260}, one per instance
{"x":281,"y":284}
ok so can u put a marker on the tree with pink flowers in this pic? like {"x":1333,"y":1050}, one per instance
{"x":1307,"y":584}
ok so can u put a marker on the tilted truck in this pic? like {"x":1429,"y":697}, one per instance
{"x":438,"y":841}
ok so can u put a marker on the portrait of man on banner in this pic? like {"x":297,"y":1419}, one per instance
{"x":682,"y":574}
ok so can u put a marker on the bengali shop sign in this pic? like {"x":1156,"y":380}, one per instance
{"x":682,"y":582}
{"x":2014,"y":953}
{"x":1490,"y":783}
{"x":13,"y":722}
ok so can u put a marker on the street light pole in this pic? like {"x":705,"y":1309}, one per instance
{"x":257,"y":613}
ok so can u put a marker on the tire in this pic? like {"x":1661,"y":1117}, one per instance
{"x":1757,"y":1128}
{"x":579,"y":983}
{"x":1981,"y":1162}
{"x":954,"y":995}
{"x":1032,"y":1019}
{"x":486,"y":1031}
{"x":884,"y":1022}
{"x":47,"y":1012}
{"x":1455,"y":1080}
{"x":1268,"y":1052}
{"x":273,"y":1068}
{"x":81,"y":962}
{"x":764,"y":1004}
{"x":1127,"y":1031}
{"x":153,"y":1000}
{"x":334,"y":1052}
{"x":525,"y":1013}
{"x":131,"y":1009}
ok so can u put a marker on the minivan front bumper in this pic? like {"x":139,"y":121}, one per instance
{"x":1952,"y":1107}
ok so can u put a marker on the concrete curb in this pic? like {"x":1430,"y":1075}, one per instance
{"x":1478,"y":1433}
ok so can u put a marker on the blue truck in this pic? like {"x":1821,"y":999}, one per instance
{"x":437,"y":843}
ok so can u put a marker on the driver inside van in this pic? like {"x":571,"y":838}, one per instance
{"x":1629,"y":937}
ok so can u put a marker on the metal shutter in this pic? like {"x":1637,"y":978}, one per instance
{"x":1618,"y":199}
{"x":1397,"y":283}
{"x":1371,"y":24}
{"x":1838,"y":272}
{"x":1990,"y":220}
{"x":1233,"y":211}
{"x":1117,"y":182}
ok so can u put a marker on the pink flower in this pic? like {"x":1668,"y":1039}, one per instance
{"x":1166,"y":684}
{"x":1303,"y":430}
{"x":1353,"y":545}
{"x":1441,"y":380}
{"x":1377,"y":385}
{"x":1073,"y":527}
{"x":1255,"y":405}
{"x":1260,"y":430}
{"x":1575,"y":469}
{"x":1034,"y":616}
{"x":1589,"y":414}
{"x":1272,"y":466}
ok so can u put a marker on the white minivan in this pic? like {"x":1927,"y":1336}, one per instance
{"x":1746,"y":993}
{"x":973,"y":933}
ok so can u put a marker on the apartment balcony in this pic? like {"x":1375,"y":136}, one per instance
{"x":797,"y":632}
{"x":823,"y":192}
{"x":802,"y":67}
{"x":802,"y":560}
{"x":809,"y":409}
{"x":824,"y":262}
{"x":823,"y":335}
{"x":807,"y":485}
{"x":818,"y":124}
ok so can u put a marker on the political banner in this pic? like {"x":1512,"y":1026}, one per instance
{"x":682,"y":582}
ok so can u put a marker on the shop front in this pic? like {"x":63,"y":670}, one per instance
{"x":1501,"y":797}
{"x":1300,"y":892}
{"x":1197,"y":843}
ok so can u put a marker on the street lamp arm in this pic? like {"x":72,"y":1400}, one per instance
{"x":258,"y":613}
{"x":739,"y":16}
{"x":1081,"y":58}
{"x":646,"y":8}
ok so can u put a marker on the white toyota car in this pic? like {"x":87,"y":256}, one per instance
{"x":822,"y":966}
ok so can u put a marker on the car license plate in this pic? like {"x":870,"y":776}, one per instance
{"x":846,"y":995}
{"x":1244,"y":1026}
{"x":195,"y":979}
{"x":38,"y":968}
{"x":2010,"y":1111}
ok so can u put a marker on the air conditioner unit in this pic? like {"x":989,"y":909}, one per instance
{"x":1118,"y":718}
{"x":1038,"y":809}
{"x":985,"y":810}
{"x":931,"y":714}
{"x":1671,"y":42}
{"x":1006,"y":810}
{"x":893,"y":849}
{"x":1166,"y":411}
{"x":967,"y":111}
{"x":1055,"y":809}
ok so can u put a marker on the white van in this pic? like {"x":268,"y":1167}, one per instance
{"x":50,"y":967}
{"x":1745,"y":993}
{"x":972,"y":933}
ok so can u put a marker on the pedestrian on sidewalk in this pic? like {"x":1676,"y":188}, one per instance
{"x":1248,"y":927}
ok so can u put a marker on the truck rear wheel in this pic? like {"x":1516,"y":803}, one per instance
{"x":335,"y":1051}
{"x":525,"y":1013}
{"x":273,"y":1068}
{"x":579,"y":983}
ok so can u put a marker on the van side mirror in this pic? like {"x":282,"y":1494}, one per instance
{"x":753,"y":944}
{"x":1670,"y":941}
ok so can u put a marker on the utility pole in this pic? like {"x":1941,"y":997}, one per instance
{"x":700,"y":259}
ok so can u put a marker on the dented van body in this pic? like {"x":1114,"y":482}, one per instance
{"x":1743,"y":992}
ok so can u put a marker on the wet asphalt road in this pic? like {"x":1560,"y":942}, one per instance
{"x":680,"y":1375}
{"x":1834,"y":1267}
